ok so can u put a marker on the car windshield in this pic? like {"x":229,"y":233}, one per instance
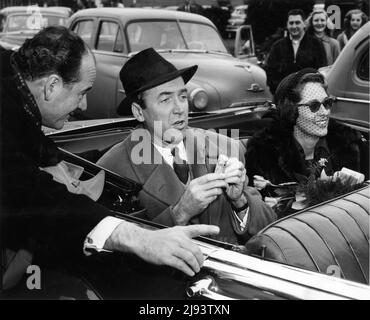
{"x":167,"y":35}
{"x":26,"y":22}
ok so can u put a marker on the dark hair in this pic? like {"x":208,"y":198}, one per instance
{"x":288,"y":93}
{"x":52,"y":50}
{"x":347,"y":21}
{"x":310,"y":29}
{"x":296,"y":12}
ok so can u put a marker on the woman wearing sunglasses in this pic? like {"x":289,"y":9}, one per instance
{"x":300,"y":141}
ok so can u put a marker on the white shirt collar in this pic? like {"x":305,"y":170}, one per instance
{"x":166,"y":152}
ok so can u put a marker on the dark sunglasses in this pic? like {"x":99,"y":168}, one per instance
{"x":315,"y":105}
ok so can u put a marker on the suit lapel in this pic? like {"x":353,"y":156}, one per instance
{"x":159,"y":179}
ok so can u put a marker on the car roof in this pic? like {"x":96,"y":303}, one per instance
{"x":244,"y":6}
{"x":20,"y":9}
{"x":125,"y":14}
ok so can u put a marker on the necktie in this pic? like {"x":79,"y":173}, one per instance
{"x":180,"y":166}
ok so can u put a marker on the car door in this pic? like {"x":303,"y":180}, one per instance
{"x":110,"y":51}
{"x":348,"y":80}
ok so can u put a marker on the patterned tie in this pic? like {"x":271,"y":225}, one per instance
{"x":180,"y":166}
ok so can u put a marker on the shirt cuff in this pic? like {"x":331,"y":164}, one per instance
{"x":95,"y":240}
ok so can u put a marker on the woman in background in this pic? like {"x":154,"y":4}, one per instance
{"x":353,"y":21}
{"x":318,"y":23}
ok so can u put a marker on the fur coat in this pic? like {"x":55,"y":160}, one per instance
{"x":275,"y":154}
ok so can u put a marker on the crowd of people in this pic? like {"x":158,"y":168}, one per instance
{"x":308,"y":43}
{"x":194,"y":181}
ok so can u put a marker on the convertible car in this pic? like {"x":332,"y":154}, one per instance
{"x":321,"y":252}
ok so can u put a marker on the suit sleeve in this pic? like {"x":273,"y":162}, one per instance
{"x":38,"y":208}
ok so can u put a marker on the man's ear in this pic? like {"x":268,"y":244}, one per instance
{"x":137,"y":111}
{"x":52,"y":86}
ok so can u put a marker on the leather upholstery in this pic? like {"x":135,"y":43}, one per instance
{"x":332,"y":234}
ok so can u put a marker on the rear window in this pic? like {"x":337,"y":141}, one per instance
{"x":363,"y":67}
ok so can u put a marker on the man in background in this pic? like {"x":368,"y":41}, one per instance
{"x":296,"y":51}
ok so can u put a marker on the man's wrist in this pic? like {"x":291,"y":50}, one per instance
{"x":124,"y":238}
{"x":179,"y":216}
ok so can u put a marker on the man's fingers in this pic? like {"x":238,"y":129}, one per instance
{"x":235,"y":180}
{"x":189,"y":258}
{"x":212,"y":193}
{"x":200,"y":230}
{"x":179,"y":264}
{"x":210,"y":177}
{"x":215,"y":184}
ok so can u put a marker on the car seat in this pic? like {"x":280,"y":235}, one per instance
{"x":329,"y":238}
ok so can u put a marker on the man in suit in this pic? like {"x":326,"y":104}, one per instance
{"x":296,"y":51}
{"x":42,"y":82}
{"x":175,"y":163}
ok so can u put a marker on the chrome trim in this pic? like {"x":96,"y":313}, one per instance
{"x":278,"y":278}
{"x":255,"y":87}
{"x":352,"y":100}
{"x":206,"y":288}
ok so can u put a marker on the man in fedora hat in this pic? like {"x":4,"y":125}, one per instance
{"x":38,"y":212}
{"x":176,"y":164}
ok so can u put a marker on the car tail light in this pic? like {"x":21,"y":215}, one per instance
{"x":199,"y":98}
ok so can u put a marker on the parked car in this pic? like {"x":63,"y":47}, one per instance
{"x":22,"y":22}
{"x":348,"y":81}
{"x":238,"y":18}
{"x":222,"y":81}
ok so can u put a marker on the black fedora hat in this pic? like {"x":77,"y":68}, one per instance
{"x":145,"y":70}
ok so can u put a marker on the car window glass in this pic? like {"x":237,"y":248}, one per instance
{"x":363,"y":67}
{"x":156,"y":34}
{"x":118,"y":47}
{"x":2,"y":20}
{"x":107,"y":36}
{"x":34,"y":22}
{"x":202,"y":37}
{"x":84,"y":30}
